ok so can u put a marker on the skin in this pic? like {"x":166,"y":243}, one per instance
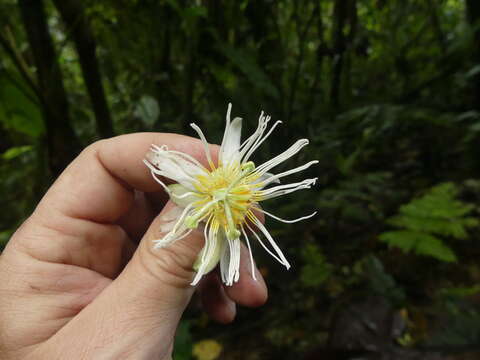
{"x":80,"y":279}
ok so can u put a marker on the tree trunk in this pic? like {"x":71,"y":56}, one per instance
{"x":340,"y":13}
{"x":473,"y":16}
{"x":302,"y":38}
{"x":437,"y":26}
{"x":62,"y":143}
{"x":73,"y":16}
{"x":321,"y":52}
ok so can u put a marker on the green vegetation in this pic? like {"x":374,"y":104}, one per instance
{"x":388,"y":92}
{"x":435,"y":213}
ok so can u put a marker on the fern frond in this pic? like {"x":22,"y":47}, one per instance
{"x":425,"y":219}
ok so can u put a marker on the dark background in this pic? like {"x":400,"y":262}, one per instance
{"x":387,"y":91}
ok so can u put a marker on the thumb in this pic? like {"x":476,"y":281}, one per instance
{"x":163,"y":275}
{"x":144,"y":304}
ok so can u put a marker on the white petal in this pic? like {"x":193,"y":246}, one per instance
{"x":268,"y":178}
{"x":272,"y":242}
{"x":159,"y":155}
{"x":163,"y":162}
{"x":252,"y":263}
{"x":285,"y":220}
{"x":225,"y":262}
{"x":260,"y":140}
{"x":292,"y":150}
{"x":230,"y":262}
{"x":263,"y":245}
{"x":179,"y":230}
{"x":210,"y":255}
{"x":172,"y":214}
{"x":181,"y":195}
{"x":286,"y":189}
{"x":229,"y":150}
{"x":236,"y":260}
{"x":205,"y":144}
{"x":252,"y":139}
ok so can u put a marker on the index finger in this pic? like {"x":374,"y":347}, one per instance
{"x":99,"y":184}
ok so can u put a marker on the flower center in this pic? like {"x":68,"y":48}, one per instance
{"x":225,"y":196}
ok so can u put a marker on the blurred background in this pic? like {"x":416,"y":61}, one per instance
{"x":388,"y":92}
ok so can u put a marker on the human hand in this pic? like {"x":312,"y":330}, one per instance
{"x":80,"y":278}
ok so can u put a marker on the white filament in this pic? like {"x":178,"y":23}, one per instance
{"x":252,"y":263}
{"x":284,"y":220}
{"x":289,"y":172}
{"x":206,"y":147}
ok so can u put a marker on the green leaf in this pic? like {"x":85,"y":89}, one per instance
{"x":404,"y":239}
{"x":183,"y":342}
{"x":316,"y":269}
{"x":434,"y":247}
{"x":425,"y":220}
{"x":419,"y":243}
{"x":16,"y":151}
{"x":18,"y":111}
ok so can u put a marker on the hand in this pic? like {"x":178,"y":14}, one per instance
{"x":80,"y":279}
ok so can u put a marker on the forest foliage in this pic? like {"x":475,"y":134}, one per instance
{"x":388,"y":92}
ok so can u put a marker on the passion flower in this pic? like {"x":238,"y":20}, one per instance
{"x":225,"y":196}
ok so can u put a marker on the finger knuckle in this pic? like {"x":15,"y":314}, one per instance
{"x":168,"y":266}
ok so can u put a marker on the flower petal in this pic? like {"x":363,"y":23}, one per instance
{"x":210,"y":255}
{"x":174,"y":165}
{"x":272,"y":242}
{"x":230,"y":262}
{"x":181,"y":195}
{"x":175,"y":232}
{"x":265,"y":179}
{"x":292,"y":150}
{"x":229,"y":150}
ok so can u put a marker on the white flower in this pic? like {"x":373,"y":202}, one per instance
{"x":225,"y":197}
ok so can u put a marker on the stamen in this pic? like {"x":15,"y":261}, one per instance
{"x":247,"y":169}
{"x":231,"y":231}
{"x":193,"y":220}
